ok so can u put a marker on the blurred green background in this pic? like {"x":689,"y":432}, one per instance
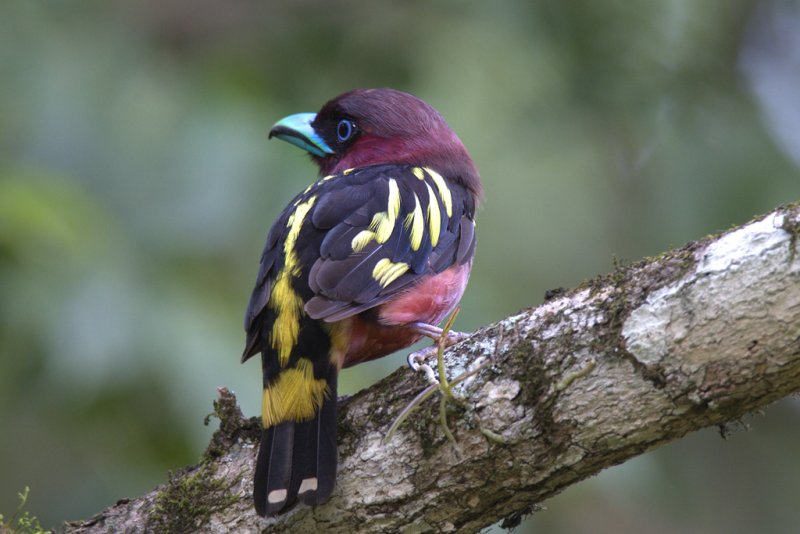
{"x":137,"y":186}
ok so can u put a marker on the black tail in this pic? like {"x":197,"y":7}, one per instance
{"x":297,"y":460}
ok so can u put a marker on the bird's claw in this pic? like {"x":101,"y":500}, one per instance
{"x":454,"y":337}
{"x":417,"y":362}
{"x":444,"y":338}
{"x":418,"y":358}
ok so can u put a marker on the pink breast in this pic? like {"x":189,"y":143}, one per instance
{"x":430,"y":300}
{"x":373,"y":335}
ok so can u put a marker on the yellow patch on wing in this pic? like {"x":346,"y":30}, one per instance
{"x":393,"y":204}
{"x":444,"y":191}
{"x":295,"y":396}
{"x":288,"y":305}
{"x":386,"y":271}
{"x":347,"y":171}
{"x":441,"y":185}
{"x":434,"y":216}
{"x":329,"y":177}
{"x":416,"y":223}
{"x":361,"y":240}
{"x":382,"y":224}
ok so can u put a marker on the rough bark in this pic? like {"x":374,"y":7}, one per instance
{"x":594,"y":376}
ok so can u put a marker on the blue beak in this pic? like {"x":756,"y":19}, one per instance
{"x":297,"y":130}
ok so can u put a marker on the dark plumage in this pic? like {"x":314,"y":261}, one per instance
{"x":381,"y":244}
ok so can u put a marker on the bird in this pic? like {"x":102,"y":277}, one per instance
{"x":365,"y":261}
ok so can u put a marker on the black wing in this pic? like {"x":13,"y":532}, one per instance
{"x":369,"y":233}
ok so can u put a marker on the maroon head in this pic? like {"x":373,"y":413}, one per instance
{"x":376,"y":126}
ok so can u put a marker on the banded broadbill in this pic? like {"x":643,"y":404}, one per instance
{"x":365,"y":261}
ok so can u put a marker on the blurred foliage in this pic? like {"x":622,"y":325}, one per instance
{"x":136,"y":188}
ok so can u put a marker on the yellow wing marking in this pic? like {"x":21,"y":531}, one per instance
{"x":288,"y":305}
{"x":286,"y":328}
{"x":444,"y":191}
{"x":295,"y":396}
{"x":393,"y":204}
{"x":386,"y":271}
{"x":434,"y":216}
{"x":419,"y":173}
{"x":416,"y":223}
{"x":383,"y":222}
{"x":361,"y":240}
{"x":381,"y":226}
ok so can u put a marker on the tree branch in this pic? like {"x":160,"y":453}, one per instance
{"x":594,"y":376}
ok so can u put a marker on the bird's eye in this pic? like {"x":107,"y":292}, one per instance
{"x":345,"y":130}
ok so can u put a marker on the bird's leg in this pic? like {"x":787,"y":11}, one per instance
{"x":442,"y":384}
{"x":416,"y":360}
{"x":434,"y":332}
{"x":444,"y":339}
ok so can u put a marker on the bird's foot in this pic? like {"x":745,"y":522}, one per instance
{"x":417,"y":363}
{"x":451,"y":337}
{"x":444,"y":338}
{"x":419,"y":358}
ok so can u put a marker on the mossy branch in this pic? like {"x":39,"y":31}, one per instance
{"x":594,"y":376}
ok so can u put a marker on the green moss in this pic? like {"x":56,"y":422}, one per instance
{"x":232,"y":425}
{"x":187,"y":501}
